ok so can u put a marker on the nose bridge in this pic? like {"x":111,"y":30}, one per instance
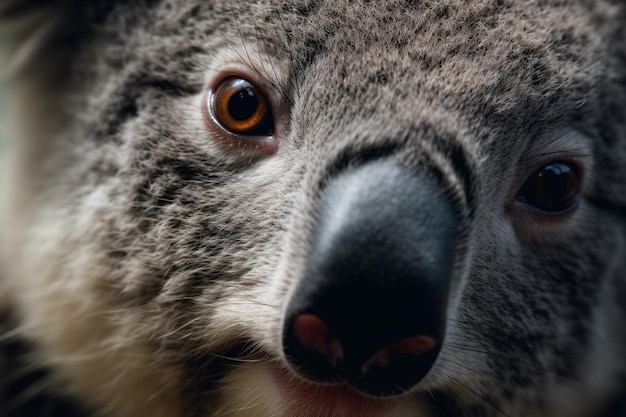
{"x":439,"y":152}
{"x":383,"y":226}
{"x":350,"y":120}
{"x":382,"y":207}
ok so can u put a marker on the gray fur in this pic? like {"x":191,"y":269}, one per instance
{"x":149,"y":263}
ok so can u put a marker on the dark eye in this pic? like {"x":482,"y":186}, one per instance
{"x":240,"y":108}
{"x":553,"y":189}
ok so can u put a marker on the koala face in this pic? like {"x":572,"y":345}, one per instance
{"x":320,"y":208}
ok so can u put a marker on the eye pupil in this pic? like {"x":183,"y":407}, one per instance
{"x":554,"y":188}
{"x":243,"y":104}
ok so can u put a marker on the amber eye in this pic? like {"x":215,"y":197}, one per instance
{"x":239,"y":107}
{"x":553,"y":189}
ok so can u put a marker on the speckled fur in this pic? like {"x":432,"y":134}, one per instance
{"x":149,"y":264}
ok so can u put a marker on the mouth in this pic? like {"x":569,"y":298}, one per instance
{"x":267,"y":387}
{"x":328,"y":399}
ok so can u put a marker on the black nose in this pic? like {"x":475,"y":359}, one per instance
{"x":371,"y":308}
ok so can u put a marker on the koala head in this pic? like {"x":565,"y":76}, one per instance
{"x":319,"y":208}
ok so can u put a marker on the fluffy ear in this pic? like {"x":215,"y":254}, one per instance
{"x":41,"y":33}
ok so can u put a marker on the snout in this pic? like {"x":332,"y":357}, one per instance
{"x":370,"y":310}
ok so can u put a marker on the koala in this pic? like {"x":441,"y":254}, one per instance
{"x":314,"y":208}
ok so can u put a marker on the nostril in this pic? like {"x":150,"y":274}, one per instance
{"x":313,"y":334}
{"x":394,"y":354}
{"x":310,"y":347}
{"x":318,"y":354}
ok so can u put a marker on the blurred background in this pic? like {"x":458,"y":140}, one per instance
{"x":1,"y":115}
{"x":2,"y":90}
